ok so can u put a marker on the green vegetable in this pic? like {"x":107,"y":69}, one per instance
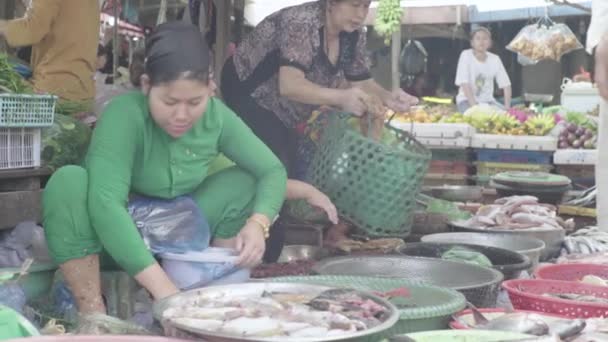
{"x":66,"y":107}
{"x":10,"y":80}
{"x":581,"y":119}
{"x":467,"y":255}
{"x":65,"y":143}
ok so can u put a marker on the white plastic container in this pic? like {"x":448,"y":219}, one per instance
{"x":213,"y":266}
{"x":580,"y":99}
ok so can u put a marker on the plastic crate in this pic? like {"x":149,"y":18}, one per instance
{"x":24,"y":110}
{"x":514,"y":142}
{"x":451,"y":167}
{"x":579,"y":174}
{"x":451,"y":154}
{"x":490,"y":169}
{"x":575,"y":157}
{"x":19,"y":148}
{"x":513,"y":156}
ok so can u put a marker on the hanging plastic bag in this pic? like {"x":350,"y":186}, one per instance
{"x":544,"y":40}
{"x":170,"y":226}
{"x":413,"y":58}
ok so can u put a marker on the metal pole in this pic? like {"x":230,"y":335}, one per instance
{"x":395,"y":52}
{"x":115,"y":44}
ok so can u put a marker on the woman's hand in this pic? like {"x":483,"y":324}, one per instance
{"x":251,"y":244}
{"x":353,"y":100}
{"x":319,"y":200}
{"x":400,"y":101}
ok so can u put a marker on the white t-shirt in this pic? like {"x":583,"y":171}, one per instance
{"x":480,"y":76}
{"x":599,"y":23}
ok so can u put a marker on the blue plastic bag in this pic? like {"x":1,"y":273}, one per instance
{"x":170,"y":226}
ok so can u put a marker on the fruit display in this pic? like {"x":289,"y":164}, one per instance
{"x":577,"y":137}
{"x":388,"y":18}
{"x":428,"y":114}
{"x":492,"y":120}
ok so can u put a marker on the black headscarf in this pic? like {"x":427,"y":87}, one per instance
{"x":174,"y":48}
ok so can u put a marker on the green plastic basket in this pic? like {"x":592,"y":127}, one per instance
{"x":25,"y":110}
{"x":373,"y":184}
{"x":13,"y":325}
{"x":428,"y":307}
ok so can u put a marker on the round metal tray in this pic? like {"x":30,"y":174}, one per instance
{"x":190,"y":298}
{"x":479,"y":285}
{"x":553,"y":238}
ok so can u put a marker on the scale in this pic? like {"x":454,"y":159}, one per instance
{"x":538,"y":101}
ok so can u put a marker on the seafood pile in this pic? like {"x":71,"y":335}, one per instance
{"x":293,"y":268}
{"x":517,"y":212}
{"x":282,"y":315}
{"x":586,"y":241}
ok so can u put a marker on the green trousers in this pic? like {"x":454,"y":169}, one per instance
{"x":225,"y":198}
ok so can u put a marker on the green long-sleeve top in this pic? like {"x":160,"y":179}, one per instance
{"x":129,"y":152}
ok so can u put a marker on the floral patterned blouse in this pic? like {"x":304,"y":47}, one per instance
{"x":294,"y":37}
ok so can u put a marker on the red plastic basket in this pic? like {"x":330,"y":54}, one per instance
{"x":527,"y":294}
{"x":571,"y":272}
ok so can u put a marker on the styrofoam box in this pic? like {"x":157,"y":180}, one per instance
{"x":580,"y":100}
{"x":439,"y":143}
{"x":439,"y":135}
{"x":436,"y":130}
{"x":575,"y":157}
{"x":514,"y":142}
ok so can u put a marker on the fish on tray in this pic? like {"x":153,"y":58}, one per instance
{"x":518,"y":212}
{"x":277,"y":314}
{"x":529,"y":323}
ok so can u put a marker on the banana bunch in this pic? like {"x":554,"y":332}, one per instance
{"x":540,"y":124}
{"x":454,"y":118}
{"x":388,"y":19}
{"x":487,"y":123}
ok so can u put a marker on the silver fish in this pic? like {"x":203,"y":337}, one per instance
{"x":514,"y":322}
{"x":566,"y":328}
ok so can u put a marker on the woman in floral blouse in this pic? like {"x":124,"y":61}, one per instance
{"x":296,"y":60}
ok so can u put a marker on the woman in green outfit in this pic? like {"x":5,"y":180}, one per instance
{"x":160,"y":144}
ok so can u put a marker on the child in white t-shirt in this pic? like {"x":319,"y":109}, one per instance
{"x":477,"y":71}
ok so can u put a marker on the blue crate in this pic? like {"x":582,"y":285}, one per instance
{"x":513,"y":156}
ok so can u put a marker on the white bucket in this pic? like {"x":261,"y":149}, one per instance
{"x":197,"y":269}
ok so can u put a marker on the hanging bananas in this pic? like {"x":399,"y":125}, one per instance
{"x":388,"y":19}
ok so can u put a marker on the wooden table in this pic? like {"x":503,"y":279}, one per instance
{"x":21,"y":195}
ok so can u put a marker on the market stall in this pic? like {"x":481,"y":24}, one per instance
{"x":439,"y":210}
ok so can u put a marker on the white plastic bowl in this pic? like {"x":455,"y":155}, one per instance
{"x":213,"y":266}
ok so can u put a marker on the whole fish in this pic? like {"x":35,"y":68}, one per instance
{"x":566,"y":328}
{"x":514,"y":322}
